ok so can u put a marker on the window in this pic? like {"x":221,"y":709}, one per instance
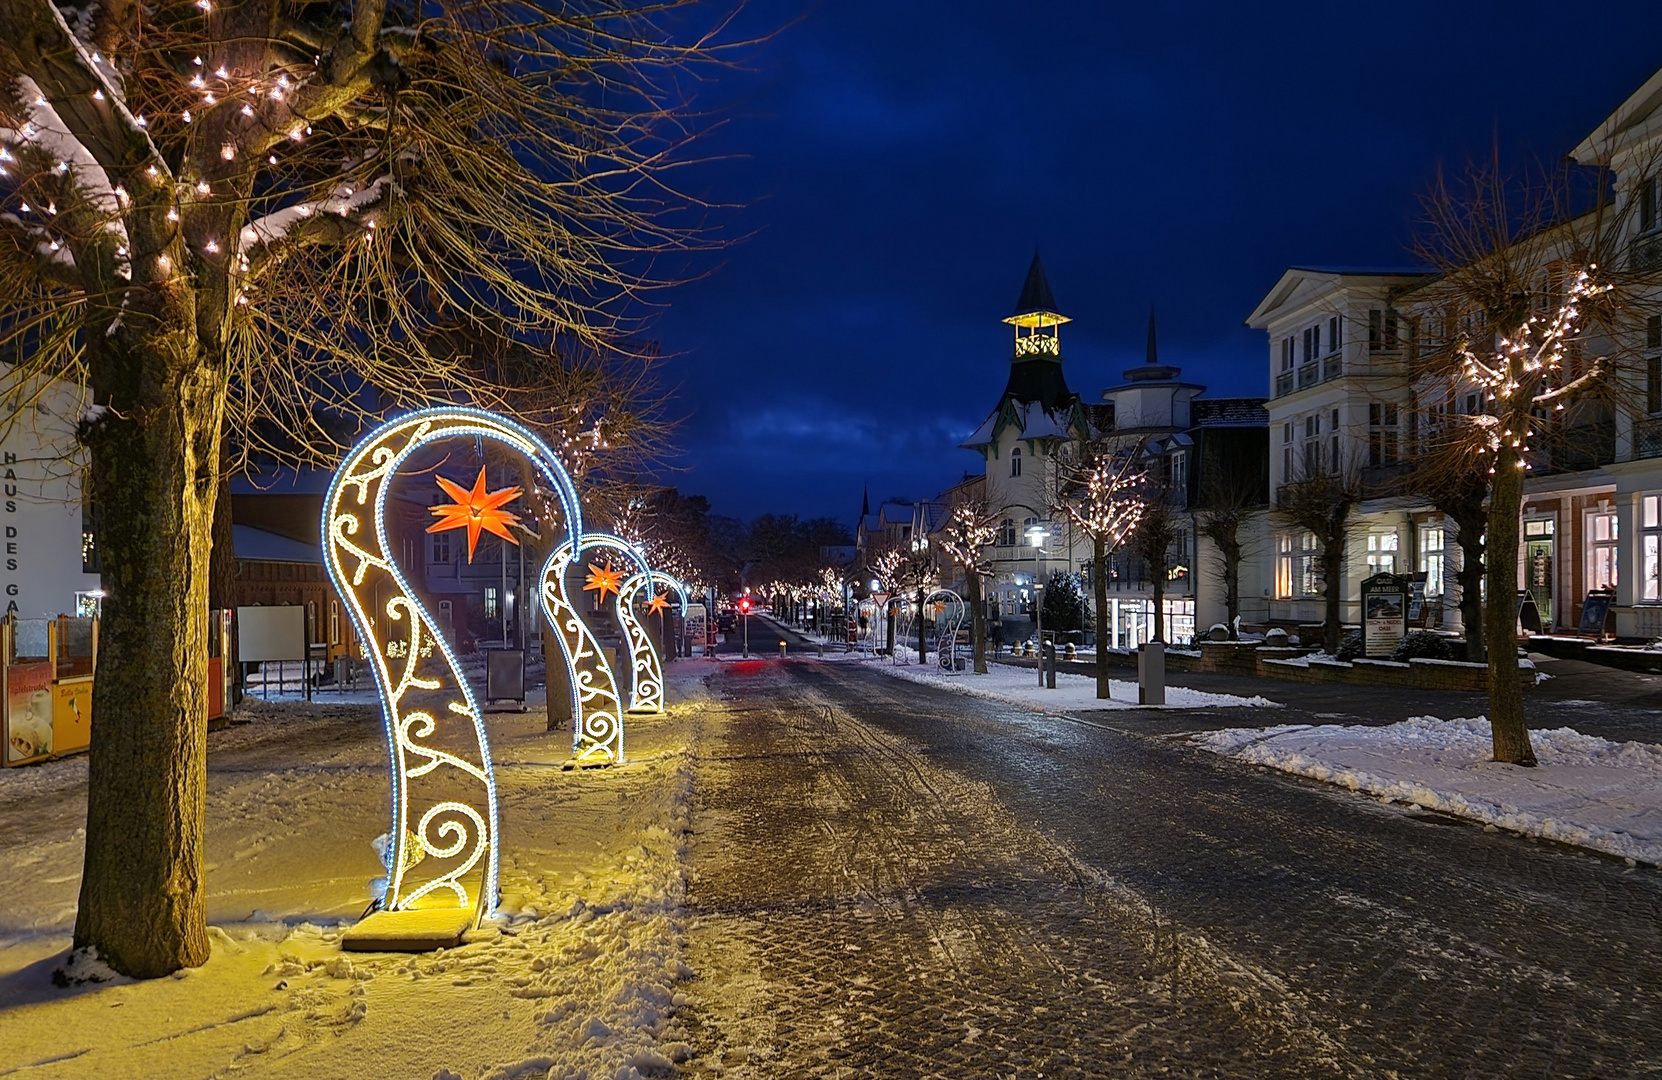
{"x":334,"y":622}
{"x":1286,"y":354}
{"x":1333,"y":339}
{"x":441,"y":547}
{"x":1015,"y":462}
{"x":1007,"y":533}
{"x":1382,"y":330}
{"x":1312,"y":446}
{"x":1297,"y":567}
{"x":1312,"y":343}
{"x":1382,"y":553}
{"x":1650,"y":548}
{"x":1601,"y":549}
{"x":1430,"y":564}
{"x":1180,"y":471}
{"x":1382,"y":434}
{"x":492,"y":603}
{"x":1647,"y":205}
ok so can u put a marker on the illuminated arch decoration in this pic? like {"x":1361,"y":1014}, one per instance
{"x":899,"y":654}
{"x":596,"y":705}
{"x":439,"y":754}
{"x":646,"y":667}
{"x":950,"y":612}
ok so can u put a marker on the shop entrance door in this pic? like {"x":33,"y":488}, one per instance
{"x":1539,"y":567}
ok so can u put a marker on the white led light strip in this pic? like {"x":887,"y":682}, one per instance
{"x":646,"y":689}
{"x":425,"y":705}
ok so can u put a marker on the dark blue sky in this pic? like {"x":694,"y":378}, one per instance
{"x":901,"y":160}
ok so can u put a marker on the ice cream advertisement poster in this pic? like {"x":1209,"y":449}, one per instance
{"x":28,"y":720}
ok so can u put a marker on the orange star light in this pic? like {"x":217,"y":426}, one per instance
{"x":659,"y":603}
{"x":603,"y":580}
{"x":476,"y":511}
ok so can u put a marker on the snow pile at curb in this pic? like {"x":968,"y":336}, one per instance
{"x":1587,"y":791}
{"x":1073,"y":693}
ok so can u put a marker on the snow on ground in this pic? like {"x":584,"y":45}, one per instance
{"x":1587,"y":791}
{"x":576,"y":976}
{"x":1073,"y":693}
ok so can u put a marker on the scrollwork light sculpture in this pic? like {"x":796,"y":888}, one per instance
{"x":646,"y":667}
{"x":439,"y":754}
{"x":596,"y":705}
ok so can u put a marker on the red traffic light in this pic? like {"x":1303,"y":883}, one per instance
{"x":744,"y":605}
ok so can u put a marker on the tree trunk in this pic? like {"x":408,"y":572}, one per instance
{"x":888,"y":640}
{"x":923,"y":643}
{"x":1470,"y":579}
{"x":1099,"y":590}
{"x":155,"y":464}
{"x":1333,"y":595}
{"x":1500,"y":613}
{"x":978,"y":620}
{"x":1159,"y":577}
{"x":1232,"y":583}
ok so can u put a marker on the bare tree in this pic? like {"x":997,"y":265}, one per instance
{"x":969,"y":529}
{"x":1106,"y":502}
{"x":255,"y":217}
{"x":1228,"y":499}
{"x":1440,"y":469}
{"x":1323,"y":505}
{"x":1539,"y":308}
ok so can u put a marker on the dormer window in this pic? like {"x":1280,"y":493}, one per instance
{"x":1015,"y":462}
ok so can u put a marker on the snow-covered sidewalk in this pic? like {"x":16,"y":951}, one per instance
{"x":1587,"y":791}
{"x":575,"y":976}
{"x":1073,"y":693}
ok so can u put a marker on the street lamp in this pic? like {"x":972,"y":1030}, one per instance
{"x":1036,"y":535}
{"x":920,"y":551}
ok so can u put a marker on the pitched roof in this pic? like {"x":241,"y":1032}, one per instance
{"x":258,"y":545}
{"x":1035,"y":292}
{"x":1228,"y":412}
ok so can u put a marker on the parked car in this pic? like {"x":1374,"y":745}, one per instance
{"x":726,"y":621}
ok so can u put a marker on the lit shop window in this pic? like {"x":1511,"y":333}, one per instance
{"x":1601,"y":550}
{"x":1650,"y":548}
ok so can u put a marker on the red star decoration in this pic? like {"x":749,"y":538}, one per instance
{"x":603,"y":580}
{"x":477,"y":511}
{"x":659,"y":603}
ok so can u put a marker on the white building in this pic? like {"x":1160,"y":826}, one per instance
{"x":1341,"y":344}
{"x":50,"y":566}
{"x":1036,"y":434}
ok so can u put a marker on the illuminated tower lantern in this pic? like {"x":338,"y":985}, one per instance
{"x":1038,"y":337}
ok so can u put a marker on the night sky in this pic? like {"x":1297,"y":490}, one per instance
{"x":900,"y":162}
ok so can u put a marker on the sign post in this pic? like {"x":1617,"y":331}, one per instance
{"x":1384,"y":614}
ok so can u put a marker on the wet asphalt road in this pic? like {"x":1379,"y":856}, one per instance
{"x":893,"y":880}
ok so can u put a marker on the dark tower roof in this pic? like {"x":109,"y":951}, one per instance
{"x":1152,"y":370}
{"x":1035,"y":292}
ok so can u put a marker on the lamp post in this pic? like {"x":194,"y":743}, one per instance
{"x":920,"y":551}
{"x":1037,"y":535}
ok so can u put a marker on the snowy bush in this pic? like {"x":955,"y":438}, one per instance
{"x":1423,"y":645}
{"x":1350,"y":646}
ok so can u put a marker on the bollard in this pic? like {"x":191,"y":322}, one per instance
{"x":1048,"y":659}
{"x":781,"y":650}
{"x":822,"y":648}
{"x":1151,"y":674}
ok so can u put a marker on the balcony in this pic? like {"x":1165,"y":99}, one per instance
{"x":1647,"y":438}
{"x":1310,"y":373}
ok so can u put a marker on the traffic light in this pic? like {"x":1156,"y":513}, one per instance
{"x":744,"y":605}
